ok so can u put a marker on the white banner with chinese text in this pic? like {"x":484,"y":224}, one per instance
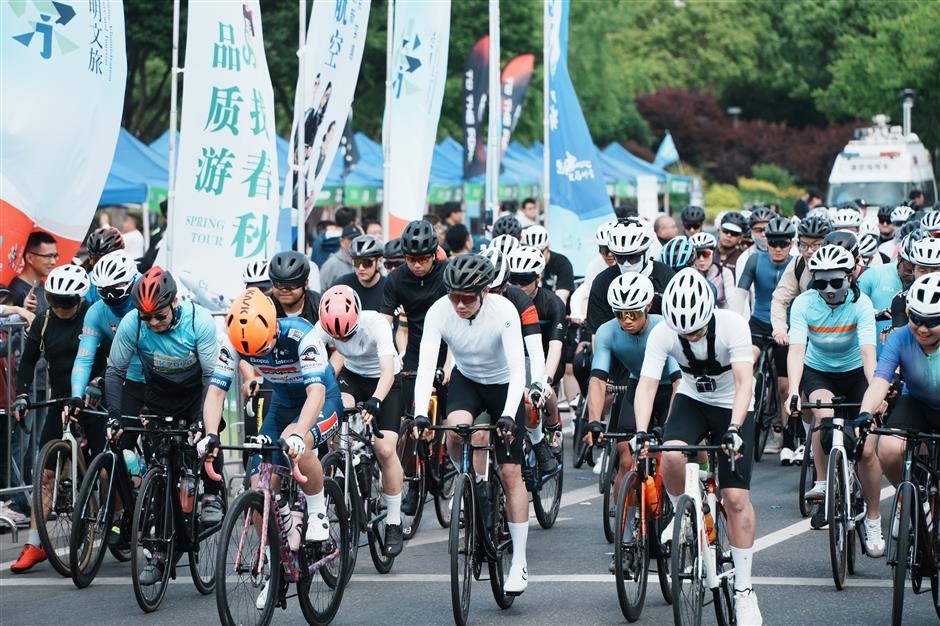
{"x":336,"y":38}
{"x":61,"y":98}
{"x":226,"y":202}
{"x":417,"y":73}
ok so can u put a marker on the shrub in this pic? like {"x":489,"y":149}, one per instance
{"x":721,"y":198}
{"x":775,"y":174}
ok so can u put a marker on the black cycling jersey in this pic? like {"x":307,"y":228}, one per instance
{"x":599,"y":310}
{"x":369,"y":297}
{"x":528,"y":314}
{"x":311,"y":310}
{"x":415,"y":295}
{"x":558,"y":273}
{"x":57,"y":340}
{"x":551,"y":312}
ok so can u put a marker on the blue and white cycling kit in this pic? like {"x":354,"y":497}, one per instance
{"x":612,"y":341}
{"x":101,"y":322}
{"x":920,"y":371}
{"x":832,"y":336}
{"x":761,"y":272}
{"x":881,"y":283}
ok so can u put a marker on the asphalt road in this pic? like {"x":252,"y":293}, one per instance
{"x":569,"y":583}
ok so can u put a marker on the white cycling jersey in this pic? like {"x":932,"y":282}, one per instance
{"x":361,"y":352}
{"x":487,"y":349}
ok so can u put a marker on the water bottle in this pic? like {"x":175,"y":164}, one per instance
{"x":187,"y":491}
{"x":652,"y":496}
{"x":290,"y":529}
{"x":134,"y":467}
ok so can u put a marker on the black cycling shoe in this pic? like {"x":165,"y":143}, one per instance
{"x":211,"y":513}
{"x":546,"y":460}
{"x":153,"y":572}
{"x":409,"y":504}
{"x":114,"y":535}
{"x":818,"y":520}
{"x":394,"y":539}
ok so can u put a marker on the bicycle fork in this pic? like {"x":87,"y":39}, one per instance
{"x":707,"y":554}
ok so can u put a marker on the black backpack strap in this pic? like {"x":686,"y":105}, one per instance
{"x":710,"y":365}
{"x":799,"y":268}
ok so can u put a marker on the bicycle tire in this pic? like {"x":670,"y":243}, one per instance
{"x":606,"y":517}
{"x":410,"y":522}
{"x":333,"y":464}
{"x":856,"y":506}
{"x":55,"y":532}
{"x":202,"y":561}
{"x":444,"y":494}
{"x":935,"y":593}
{"x":382,"y":561}
{"x":499,"y":532}
{"x":94,"y":519}
{"x":603,"y":479}
{"x":631,"y":585}
{"x":838,"y":522}
{"x":579,"y":430}
{"x":807,"y":470}
{"x":723,"y":595}
{"x":151,"y":516}
{"x":905,"y":496}
{"x":234,"y":537}
{"x":663,"y":554}
{"x":760,"y":393}
{"x":687,"y":600}
{"x":314,"y":612}
{"x":461,"y":541}
{"x":547,"y":508}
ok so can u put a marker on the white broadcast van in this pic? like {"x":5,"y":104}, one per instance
{"x":883,"y":164}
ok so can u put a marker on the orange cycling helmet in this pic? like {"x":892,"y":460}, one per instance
{"x":251,"y":323}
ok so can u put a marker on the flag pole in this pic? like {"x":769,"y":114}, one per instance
{"x":495,"y":116}
{"x":386,"y":131}
{"x":300,"y":99}
{"x":171,"y":153}
{"x":546,"y":154}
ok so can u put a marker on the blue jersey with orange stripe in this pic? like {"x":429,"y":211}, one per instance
{"x":832,"y":336}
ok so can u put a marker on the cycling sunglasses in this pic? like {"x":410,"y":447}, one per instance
{"x":926,"y":322}
{"x":692,"y":225}
{"x":286,"y":286}
{"x":732,"y":233}
{"x":522,"y":279}
{"x":629,"y":258}
{"x":836,"y":283}
{"x":630,"y":315}
{"x":57,"y":301}
{"x":704,"y":253}
{"x":465,"y":299}
{"x":424,"y":258}
{"x":367,"y":262}
{"x":884,"y":220}
{"x":391,"y":265}
{"x":779,"y":243}
{"x":157,"y":317}
{"x":115,"y":292}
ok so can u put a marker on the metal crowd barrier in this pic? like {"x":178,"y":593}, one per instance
{"x":16,"y":446}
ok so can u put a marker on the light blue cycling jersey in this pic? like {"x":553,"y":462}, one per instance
{"x":881,"y":283}
{"x":920,"y":371}
{"x":832,"y":336}
{"x":101,"y":322}
{"x":92,"y":295}
{"x":299,"y":359}
{"x":611,"y":340}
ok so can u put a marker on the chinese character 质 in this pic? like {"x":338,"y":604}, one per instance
{"x":223,"y":109}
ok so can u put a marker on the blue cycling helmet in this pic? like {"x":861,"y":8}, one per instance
{"x":677,"y":253}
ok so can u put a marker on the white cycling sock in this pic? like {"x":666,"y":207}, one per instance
{"x":519,"y":534}
{"x":315,"y":504}
{"x":743,"y":558}
{"x":33,"y":538}
{"x":535,"y":433}
{"x":393,"y":509}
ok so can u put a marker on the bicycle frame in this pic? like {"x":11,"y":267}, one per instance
{"x":838,"y":448}
{"x":363,"y":450}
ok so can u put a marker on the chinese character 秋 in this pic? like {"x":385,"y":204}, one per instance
{"x":247,"y":234}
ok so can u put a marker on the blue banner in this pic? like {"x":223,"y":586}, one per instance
{"x":667,"y":153}
{"x":579,"y":200}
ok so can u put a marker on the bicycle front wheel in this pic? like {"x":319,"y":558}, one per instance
{"x":836,"y":502}
{"x":547,"y":500}
{"x":688,"y":586}
{"x":152,"y":558}
{"x":249,"y":580}
{"x":415,"y":486}
{"x":376,"y":526}
{"x":202,"y":560}
{"x":54,"y":491}
{"x":905,"y":498}
{"x":807,"y":476}
{"x":323,"y":579}
{"x":334,"y":464}
{"x":760,"y":403}
{"x":92,"y":519}
{"x":444,"y":494}
{"x":607,"y":512}
{"x":461,"y":547}
{"x":631,"y":548}
{"x":499,"y":536}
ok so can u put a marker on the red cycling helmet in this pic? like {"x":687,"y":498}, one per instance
{"x":155,"y":290}
{"x":339,"y":311}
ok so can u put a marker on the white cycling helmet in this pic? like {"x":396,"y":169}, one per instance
{"x":867,"y":228}
{"x":703,"y":240}
{"x":845,"y":218}
{"x":923,"y":296}
{"x":526,"y":260}
{"x":600,"y":235}
{"x":867,"y":245}
{"x":688,"y":301}
{"x":67,"y":280}
{"x":535,"y":236}
{"x":901,"y":214}
{"x":504,"y":243}
{"x":630,"y":291}
{"x":498,"y":259}
{"x":112,"y":269}
{"x":831,"y":257}
{"x":255,"y":272}
{"x":820,"y":210}
{"x":630,"y":237}
{"x":926,"y":252}
{"x":931,"y":222}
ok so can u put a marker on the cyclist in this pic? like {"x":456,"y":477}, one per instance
{"x":507,"y":224}
{"x":731,"y":231}
{"x":367,"y":370}
{"x":305,"y":405}
{"x":868,"y":251}
{"x":604,"y":259}
{"x":367,"y":281}
{"x":290,"y":273}
{"x":885,"y":227}
{"x":177,"y":347}
{"x":100,"y":242}
{"x":923,"y":252}
{"x":54,"y":335}
{"x":624,"y":339}
{"x":900,"y":218}
{"x":721,"y":278}
{"x":677,"y":253}
{"x":484,"y":335}
{"x":846,"y":217}
{"x":881,"y":284}
{"x":255,"y":274}
{"x":713,"y":400}
{"x":394,"y":257}
{"x":693,"y":217}
{"x":558,"y":275}
{"x":832,"y":353}
{"x":795,"y":279}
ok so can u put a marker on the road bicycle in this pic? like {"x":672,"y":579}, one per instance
{"x":699,"y":551}
{"x":916,"y":548}
{"x":545,"y":488}
{"x":479,"y":528}
{"x":363,"y":493}
{"x":766,"y":394}
{"x":256,"y":562}
{"x":166,"y":515}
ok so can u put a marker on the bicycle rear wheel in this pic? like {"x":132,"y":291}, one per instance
{"x":838,"y":519}
{"x":376,"y":529}
{"x":580,"y":429}
{"x":152,"y":539}
{"x":444,"y":494}
{"x":631,"y":548}
{"x":334,"y":464}
{"x":663,"y":554}
{"x":607,"y":516}
{"x":499,"y":535}
{"x":53,"y":489}
{"x":547,"y":500}
{"x":92,"y":520}
{"x":760,"y":403}
{"x":807,"y":476}
{"x":688,"y":586}
{"x":461,"y":547}
{"x":905,"y":497}
{"x":202,"y":560}
{"x":320,"y":592}
{"x":249,"y":582}
{"x":415,"y":481}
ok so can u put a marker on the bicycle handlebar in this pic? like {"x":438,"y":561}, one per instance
{"x":689,"y":450}
{"x":906,"y":433}
{"x":258,"y":447}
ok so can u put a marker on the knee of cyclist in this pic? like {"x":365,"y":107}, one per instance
{"x":736,"y":502}
{"x":673,"y":460}
{"x":384,"y":451}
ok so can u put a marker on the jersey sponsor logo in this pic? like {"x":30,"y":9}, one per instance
{"x":224,"y":355}
{"x":295,"y":333}
{"x":530,"y":316}
{"x":278,"y":372}
{"x":113,"y":327}
{"x":507,"y":323}
{"x":169,"y":363}
{"x":310,"y":354}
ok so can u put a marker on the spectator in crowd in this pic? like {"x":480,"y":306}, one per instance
{"x":327,"y":241}
{"x":340,"y":263}
{"x":458,"y":240}
{"x":367,"y":281}
{"x":917,"y":199}
{"x":528,"y":213}
{"x":133,"y":238}
{"x":453,"y":214}
{"x":40,"y":257}
{"x":810,"y":199}
{"x":435,"y":220}
{"x":665,"y":228}
{"x":373,"y":228}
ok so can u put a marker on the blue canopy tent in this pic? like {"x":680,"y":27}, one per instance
{"x":122,"y":188}
{"x":135,"y":167}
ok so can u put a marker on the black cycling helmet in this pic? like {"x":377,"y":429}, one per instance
{"x":393,"y":249}
{"x":843,"y":239}
{"x":288,"y":267}
{"x":693,"y":215}
{"x":735,"y":219}
{"x":471,"y":273}
{"x":884,"y":214}
{"x":507,"y":224}
{"x":907,"y":228}
{"x":780,"y":228}
{"x":814,"y":226}
{"x":418,"y":239}
{"x":760,"y":214}
{"x":155,"y":290}
{"x":104,"y":240}
{"x":366,"y":246}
